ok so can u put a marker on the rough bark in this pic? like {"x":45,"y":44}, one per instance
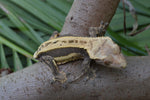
{"x":35,"y":82}
{"x":86,"y":13}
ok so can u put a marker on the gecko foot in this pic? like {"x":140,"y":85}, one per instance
{"x":61,"y":77}
{"x":92,"y":74}
{"x":54,"y":35}
{"x":98,"y":31}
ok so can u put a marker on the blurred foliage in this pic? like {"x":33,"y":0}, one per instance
{"x":25,"y":24}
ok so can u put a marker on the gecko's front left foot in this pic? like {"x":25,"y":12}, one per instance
{"x":61,"y":77}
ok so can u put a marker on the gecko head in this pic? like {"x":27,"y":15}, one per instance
{"x":110,"y":55}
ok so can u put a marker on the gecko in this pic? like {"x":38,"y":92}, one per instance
{"x":63,"y":49}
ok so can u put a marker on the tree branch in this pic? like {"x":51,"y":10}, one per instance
{"x":35,"y":82}
{"x":86,"y":13}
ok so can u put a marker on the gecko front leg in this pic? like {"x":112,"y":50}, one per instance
{"x":58,"y":76}
{"x":54,"y":35}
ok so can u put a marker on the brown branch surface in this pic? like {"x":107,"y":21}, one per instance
{"x":35,"y":82}
{"x":86,"y":13}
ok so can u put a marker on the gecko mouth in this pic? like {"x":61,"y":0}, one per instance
{"x":107,"y":63}
{"x":102,"y":62}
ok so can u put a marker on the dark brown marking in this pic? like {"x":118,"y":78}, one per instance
{"x":46,"y":44}
{"x":71,"y":41}
{"x":97,"y":50}
{"x":76,"y":41}
{"x":83,"y":42}
{"x":42,"y":46}
{"x":64,"y":41}
{"x":39,"y":49}
{"x":104,"y":43}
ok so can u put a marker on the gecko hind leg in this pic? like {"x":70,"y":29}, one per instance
{"x":58,"y":75}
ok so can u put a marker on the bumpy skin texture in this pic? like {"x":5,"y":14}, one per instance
{"x":101,"y":49}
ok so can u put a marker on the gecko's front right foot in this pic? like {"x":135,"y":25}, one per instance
{"x":98,"y":31}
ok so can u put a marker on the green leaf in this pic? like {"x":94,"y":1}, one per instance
{"x":14,"y":37}
{"x":15,"y":47}
{"x":61,"y":5}
{"x":17,"y":61}
{"x":117,"y":21}
{"x":29,"y":62}
{"x":4,"y":63}
{"x":141,"y":8}
{"x":123,"y":42}
{"x":29,"y":18}
{"x":22,"y":25}
{"x":43,"y":12}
